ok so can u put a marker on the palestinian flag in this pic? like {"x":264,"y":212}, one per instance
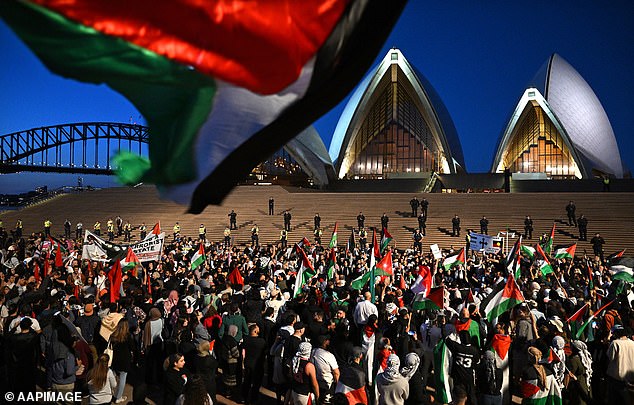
{"x":575,"y":319}
{"x":470,"y":326}
{"x":565,"y":252}
{"x":156,"y":231}
{"x":59,"y":262}
{"x":115,"y":277}
{"x":435,"y":299}
{"x":333,"y":239}
{"x":359,"y":282}
{"x":332,"y":262}
{"x":351,"y":242}
{"x":130,"y":262}
{"x":500,"y":345}
{"x":590,"y":278}
{"x":198,"y":258}
{"x":384,"y":267}
{"x":352,"y":387}
{"x":543,"y":264}
{"x":386,"y":238}
{"x":548,"y":244}
{"x":442,"y":366}
{"x":235,"y":277}
{"x":615,"y":255}
{"x":305,"y":273}
{"x":221,"y":85}
{"x":513,"y":259}
{"x":422,"y":284}
{"x":528,"y":251}
{"x":375,"y":246}
{"x":454,"y":260}
{"x":533,"y":395}
{"x":502,"y":298}
{"x":621,"y":269}
{"x":591,"y":318}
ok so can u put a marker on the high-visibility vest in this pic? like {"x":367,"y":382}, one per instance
{"x":97,"y":226}
{"x":254,"y":230}
{"x":47,"y":224}
{"x":202,"y":230}
{"x":177,"y":228}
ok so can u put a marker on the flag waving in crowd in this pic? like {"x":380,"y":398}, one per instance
{"x":211,"y":86}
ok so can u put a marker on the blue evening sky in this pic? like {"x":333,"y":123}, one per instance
{"x":478,"y":54}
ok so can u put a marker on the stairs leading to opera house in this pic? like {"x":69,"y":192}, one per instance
{"x":611,"y":214}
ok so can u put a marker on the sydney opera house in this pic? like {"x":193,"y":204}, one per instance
{"x":559,"y":129}
{"x":395,"y":126}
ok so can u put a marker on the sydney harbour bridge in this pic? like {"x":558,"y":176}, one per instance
{"x":82,"y":148}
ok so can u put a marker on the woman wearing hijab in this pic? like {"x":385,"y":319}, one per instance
{"x":559,"y":358}
{"x":153,"y":345}
{"x":392,"y":386}
{"x":412,"y":373}
{"x":304,"y":376}
{"x":489,"y":378}
{"x":228,"y":355}
{"x":580,"y":365}
{"x":206,"y":365}
{"x":538,"y":382}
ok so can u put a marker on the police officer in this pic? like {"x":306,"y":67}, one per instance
{"x":287,"y":221}
{"x":423,"y":207}
{"x":202,"y":232}
{"x":582,"y":222}
{"x":418,"y":240}
{"x":455,"y":223}
{"x":67,"y":228}
{"x":18,"y":229}
{"x":227,"y":234}
{"x":255,"y":238}
{"x":597,"y":245}
{"x":528,"y":227}
{"x":484,"y":226}
{"x":271,"y":205}
{"x":143,"y":231}
{"x":570,"y":211}
{"x":97,"y":228}
{"x":318,"y":232}
{"x":422,"y":223}
{"x":47,"y":227}
{"x":384,"y":220}
{"x":283,"y":238}
{"x":317,"y":221}
{"x":360,"y":220}
{"x":110,"y":226}
{"x":127,"y":231}
{"x":233,"y":220}
{"x":414,"y":203}
{"x":79,"y":230}
{"x":176,"y":230}
{"x":363,"y":238}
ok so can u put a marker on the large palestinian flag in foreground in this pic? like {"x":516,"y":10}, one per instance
{"x":622,"y":269}
{"x":442,"y":370}
{"x":222,"y":84}
{"x":533,"y":395}
{"x":503,"y":297}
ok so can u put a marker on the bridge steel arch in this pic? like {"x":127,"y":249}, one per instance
{"x":70,"y":148}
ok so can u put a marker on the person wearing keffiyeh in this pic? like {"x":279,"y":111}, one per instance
{"x":580,"y":365}
{"x":392,"y":386}
{"x":304,"y":376}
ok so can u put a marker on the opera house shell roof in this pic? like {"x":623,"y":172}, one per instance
{"x":309,"y":151}
{"x":395,"y":125}
{"x":559,"y":128}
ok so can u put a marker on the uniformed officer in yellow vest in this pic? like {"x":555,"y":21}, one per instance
{"x":363,"y":238}
{"x":18,"y":229}
{"x":177,"y":230}
{"x":255,"y":238}
{"x":127,"y":231}
{"x":227,"y":234}
{"x":110,"y":226}
{"x":97,"y":228}
{"x":202,"y":232}
{"x":47,"y":227}
{"x":318,"y":232}
{"x":283,"y":238}
{"x":143,"y":230}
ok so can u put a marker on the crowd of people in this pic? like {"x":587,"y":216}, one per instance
{"x":181,"y":334}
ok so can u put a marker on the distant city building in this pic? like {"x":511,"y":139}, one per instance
{"x":395,"y":126}
{"x":303,"y":161}
{"x":559,"y":129}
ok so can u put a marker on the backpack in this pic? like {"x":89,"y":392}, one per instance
{"x":133,"y":320}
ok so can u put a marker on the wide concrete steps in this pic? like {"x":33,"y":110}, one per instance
{"x":611,"y":214}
